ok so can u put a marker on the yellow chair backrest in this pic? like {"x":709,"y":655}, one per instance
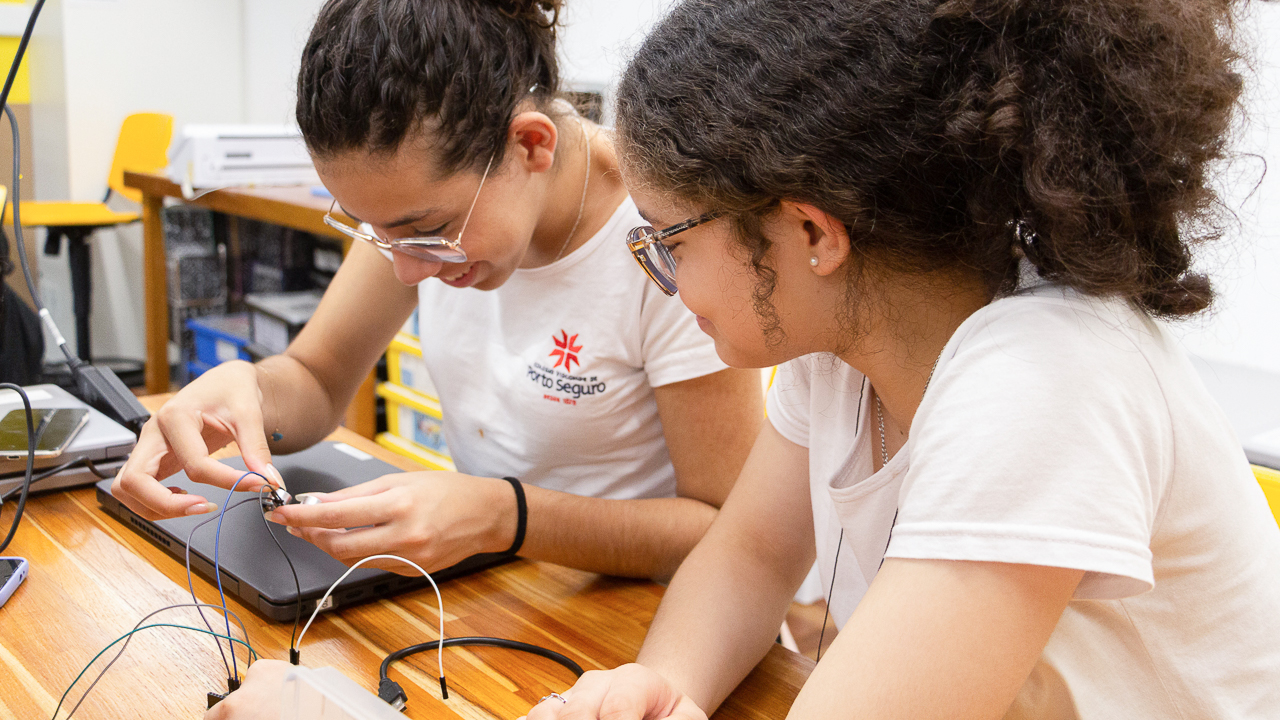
{"x":143,"y":147}
{"x":1270,"y":481}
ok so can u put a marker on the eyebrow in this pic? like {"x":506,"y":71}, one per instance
{"x":406,"y":220}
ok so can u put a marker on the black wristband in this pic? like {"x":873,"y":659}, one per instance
{"x":522,"y":516}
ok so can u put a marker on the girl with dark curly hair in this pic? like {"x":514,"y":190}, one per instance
{"x":954,"y":224}
{"x":590,"y":420}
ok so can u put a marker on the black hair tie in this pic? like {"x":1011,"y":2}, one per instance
{"x":522,"y":516}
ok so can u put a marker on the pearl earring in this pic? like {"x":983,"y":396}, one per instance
{"x":813,"y":261}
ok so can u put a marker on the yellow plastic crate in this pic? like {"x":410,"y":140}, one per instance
{"x":400,"y":446}
{"x":1270,"y":481}
{"x":405,"y":366}
{"x":414,"y":417}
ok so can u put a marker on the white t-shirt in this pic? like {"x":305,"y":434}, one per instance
{"x":550,"y":377}
{"x":1066,"y":431}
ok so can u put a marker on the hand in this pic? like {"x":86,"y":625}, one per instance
{"x":630,"y":691}
{"x":221,"y":406}
{"x":432,"y":518}
{"x":258,"y":696}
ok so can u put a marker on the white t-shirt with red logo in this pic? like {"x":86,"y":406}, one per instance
{"x":550,"y":377}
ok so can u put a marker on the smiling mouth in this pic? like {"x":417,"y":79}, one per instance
{"x":451,"y":278}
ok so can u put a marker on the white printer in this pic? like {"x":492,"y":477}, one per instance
{"x":217,"y":156}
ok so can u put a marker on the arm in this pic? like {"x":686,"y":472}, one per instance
{"x":300,"y":394}
{"x":709,"y":632}
{"x":939,"y":639}
{"x":709,"y":424}
{"x":438,"y":518}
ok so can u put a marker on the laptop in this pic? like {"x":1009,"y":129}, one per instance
{"x":102,"y":440}
{"x":252,"y":568}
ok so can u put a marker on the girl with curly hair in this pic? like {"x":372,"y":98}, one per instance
{"x":955,"y":225}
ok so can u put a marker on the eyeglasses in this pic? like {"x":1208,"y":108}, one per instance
{"x":654,"y":257}
{"x":437,"y":249}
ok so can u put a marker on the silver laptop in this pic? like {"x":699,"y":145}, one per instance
{"x":101,"y":440}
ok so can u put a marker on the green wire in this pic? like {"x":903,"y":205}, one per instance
{"x":252,"y":652}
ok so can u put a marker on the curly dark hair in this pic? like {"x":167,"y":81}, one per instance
{"x":933,"y":130}
{"x":375,"y":72}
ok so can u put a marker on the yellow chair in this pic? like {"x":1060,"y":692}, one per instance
{"x":142,"y":147}
{"x":1270,"y":481}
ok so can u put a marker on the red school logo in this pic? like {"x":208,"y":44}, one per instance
{"x":566,"y":353}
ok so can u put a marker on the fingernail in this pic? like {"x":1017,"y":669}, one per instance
{"x":311,"y":498}
{"x":177,"y":491}
{"x":273,"y":517}
{"x":294,"y":531}
{"x":274,"y":474}
{"x":201,"y":508}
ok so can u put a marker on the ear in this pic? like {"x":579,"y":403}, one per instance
{"x":533,"y":138}
{"x":826,"y":237}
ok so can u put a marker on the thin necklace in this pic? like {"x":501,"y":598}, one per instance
{"x":884,"y":450}
{"x":586,"y":180}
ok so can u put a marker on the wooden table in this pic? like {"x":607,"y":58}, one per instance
{"x":92,"y":579}
{"x":292,"y":207}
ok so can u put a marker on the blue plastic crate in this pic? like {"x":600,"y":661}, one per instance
{"x":195,"y":369}
{"x":219,"y":338}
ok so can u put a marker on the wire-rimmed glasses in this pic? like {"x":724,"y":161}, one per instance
{"x":437,"y":249}
{"x":654,"y":257}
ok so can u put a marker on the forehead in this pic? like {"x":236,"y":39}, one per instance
{"x":661,"y":208}
{"x":379,"y":188}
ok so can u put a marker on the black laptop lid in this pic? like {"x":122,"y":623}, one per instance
{"x":249,"y":556}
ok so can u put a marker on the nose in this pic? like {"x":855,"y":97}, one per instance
{"x":413,"y":270}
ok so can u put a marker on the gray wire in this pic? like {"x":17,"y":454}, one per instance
{"x":191,"y":585}
{"x":199,"y":606}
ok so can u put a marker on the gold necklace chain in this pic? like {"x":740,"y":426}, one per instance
{"x":586,"y":180}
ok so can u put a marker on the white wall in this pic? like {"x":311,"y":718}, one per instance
{"x":274,"y":33}
{"x":596,"y":39}
{"x":1244,"y":328}
{"x":95,"y":62}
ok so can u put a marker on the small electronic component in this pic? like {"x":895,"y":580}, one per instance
{"x":276,"y":498}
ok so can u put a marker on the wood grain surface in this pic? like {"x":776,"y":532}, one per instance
{"x":92,"y":579}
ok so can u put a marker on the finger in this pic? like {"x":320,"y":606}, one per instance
{"x":582,"y":700}
{"x":137,"y":486}
{"x":351,"y":546}
{"x":184,"y":432}
{"x":251,"y":439}
{"x":341,"y":514}
{"x":365,"y":489}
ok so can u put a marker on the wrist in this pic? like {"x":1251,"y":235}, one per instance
{"x":505,"y":519}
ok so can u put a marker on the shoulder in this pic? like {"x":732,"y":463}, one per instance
{"x":1050,"y":329}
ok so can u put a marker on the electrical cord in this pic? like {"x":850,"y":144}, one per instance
{"x":253,"y":653}
{"x":217,"y":571}
{"x":120,"y":653}
{"x":46,"y":474}
{"x":47,"y":319}
{"x":191,"y":585}
{"x":444,"y":687}
{"x":31,"y":464}
{"x":392,"y":693}
{"x":295,"y":657}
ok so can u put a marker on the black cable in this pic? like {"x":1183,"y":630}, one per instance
{"x":72,"y":359}
{"x":294,"y":656}
{"x":45,"y":474}
{"x":403,"y":653}
{"x":31,"y":460}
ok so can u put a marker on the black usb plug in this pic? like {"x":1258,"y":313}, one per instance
{"x":392,"y":694}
